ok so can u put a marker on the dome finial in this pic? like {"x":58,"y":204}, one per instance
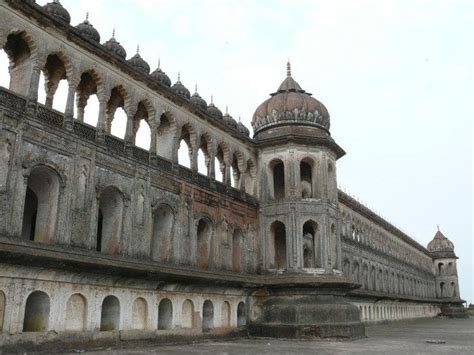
{"x":113,"y":33}
{"x":159,"y":63}
{"x":179,"y":76}
{"x":196,"y":88}
{"x":138,"y":49}
{"x":288,"y":68}
{"x":240,"y":120}
{"x":212,"y":99}
{"x":438,"y":227}
{"x":226,"y":109}
{"x":87,"y":16}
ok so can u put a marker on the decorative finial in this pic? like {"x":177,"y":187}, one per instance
{"x":438,"y":227}
{"x":179,"y":76}
{"x":212,"y":99}
{"x":226,"y":109}
{"x":196,"y":88}
{"x":240,"y":120}
{"x":288,"y":68}
{"x":158,"y":63}
{"x":87,"y":16}
{"x":138,"y":49}
{"x":113,"y":33}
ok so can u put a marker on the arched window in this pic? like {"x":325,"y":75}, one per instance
{"x":278,"y":233}
{"x":334,"y":248}
{"x":76,"y":313}
{"x":187,"y":314}
{"x":440,"y":269}
{"x":453,"y":290}
{"x":164,"y":138}
{"x":86,"y":98}
{"x":204,"y":158}
{"x":109,"y":222}
{"x":241,"y":314}
{"x":278,"y":179}
{"x":355,"y":272}
{"x":237,"y":250}
{"x":250,"y":175}
{"x":36,"y":312}
{"x":207,"y":315}
{"x":306,"y":178}
{"x":165,"y":314}
{"x":53,"y":86}
{"x":235,"y":172}
{"x":204,"y":233}
{"x":41,"y":205}
{"x":2,"y":309}
{"x":110,"y":314}
{"x":141,"y":127}
{"x":185,"y":150}
{"x":162,"y":242}
{"x":220,"y":164}
{"x":139,"y":314}
{"x":309,"y":244}
{"x":20,"y":64}
{"x":4,"y":73}
{"x":225,"y":314}
{"x":116,"y":118}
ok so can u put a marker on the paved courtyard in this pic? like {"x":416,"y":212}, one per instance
{"x":404,"y":337}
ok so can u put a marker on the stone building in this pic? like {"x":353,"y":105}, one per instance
{"x":98,"y":235}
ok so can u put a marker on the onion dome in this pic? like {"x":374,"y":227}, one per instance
{"x":243,"y":129}
{"x":290,"y":105}
{"x":88,"y":31}
{"x":440,"y":243}
{"x":180,"y":89}
{"x":213,"y":111}
{"x":198,"y":100}
{"x":115,"y":47}
{"x":57,"y":10}
{"x":160,"y":76}
{"x":228,"y":119}
{"x":139,"y":63}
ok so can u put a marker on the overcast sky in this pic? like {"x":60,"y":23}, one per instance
{"x":396,"y":77}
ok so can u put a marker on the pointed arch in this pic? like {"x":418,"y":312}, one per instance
{"x":278,"y":258}
{"x":90,"y":86}
{"x":204,"y":154}
{"x":310,"y":244}
{"x":115,"y":111}
{"x":141,"y":131}
{"x":186,"y":143}
{"x":166,"y":132}
{"x":109,"y":220}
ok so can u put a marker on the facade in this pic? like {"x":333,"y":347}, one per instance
{"x":99,"y":236}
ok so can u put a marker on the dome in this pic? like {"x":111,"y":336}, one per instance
{"x":139,"y":63}
{"x":160,"y":76}
{"x":440,"y":243}
{"x":87,"y":30}
{"x":229,"y":120}
{"x":180,"y":89}
{"x":213,"y":111}
{"x":290,"y":105}
{"x":115,"y":47}
{"x":198,"y":100}
{"x":57,"y":10}
{"x":243,"y":129}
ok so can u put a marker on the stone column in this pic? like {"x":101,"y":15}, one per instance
{"x":212,"y":167}
{"x":194,"y":159}
{"x":101,"y":124}
{"x":153,"y":141}
{"x":129,"y":130}
{"x":69,"y":111}
{"x":33,"y":90}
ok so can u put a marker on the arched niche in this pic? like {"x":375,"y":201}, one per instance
{"x":41,"y":205}
{"x":237,"y":250}
{"x":277,"y":169}
{"x":109,"y":221}
{"x":310,"y":247}
{"x":187,"y":314}
{"x":139,"y":314}
{"x":204,"y":235}
{"x":37,"y":310}
{"x":165,"y":314}
{"x":307,"y":187}
{"x":225,"y":314}
{"x":241,"y":314}
{"x":76,"y":313}
{"x":162,"y":239}
{"x":207,"y":315}
{"x":110,"y":314}
{"x":278,"y":239}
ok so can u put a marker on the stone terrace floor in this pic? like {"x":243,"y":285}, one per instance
{"x":402,"y":337}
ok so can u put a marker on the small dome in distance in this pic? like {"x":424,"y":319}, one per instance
{"x":139,"y":63}
{"x":57,"y":10}
{"x":88,"y":31}
{"x":198,"y":100}
{"x":213,"y":111}
{"x":242,"y":128}
{"x":115,"y":47}
{"x":160,"y":76}
{"x":228,"y":119}
{"x":180,"y":89}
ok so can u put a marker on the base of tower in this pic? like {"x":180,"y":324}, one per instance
{"x":305,"y":316}
{"x":454,"y":310}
